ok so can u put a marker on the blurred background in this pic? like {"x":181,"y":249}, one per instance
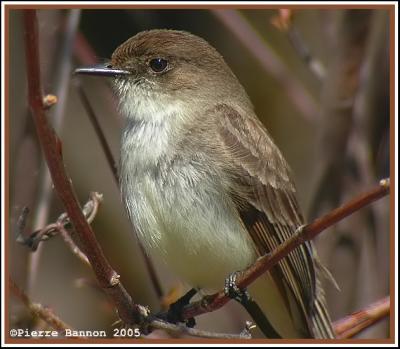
{"x":319,"y":81}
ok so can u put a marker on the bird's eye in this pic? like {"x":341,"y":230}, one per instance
{"x":158,"y":65}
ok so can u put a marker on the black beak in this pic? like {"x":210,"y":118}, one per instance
{"x":104,"y":69}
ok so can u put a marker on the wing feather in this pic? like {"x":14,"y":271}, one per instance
{"x":271,"y":212}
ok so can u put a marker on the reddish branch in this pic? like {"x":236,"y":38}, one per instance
{"x":55,"y":322}
{"x":51,"y":146}
{"x":305,"y":233}
{"x":353,"y":324}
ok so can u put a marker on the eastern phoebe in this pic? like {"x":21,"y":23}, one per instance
{"x":204,"y":184}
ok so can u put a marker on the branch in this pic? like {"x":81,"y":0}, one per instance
{"x":55,"y":322}
{"x":182,"y":329}
{"x":63,"y":222}
{"x":304,"y":233}
{"x":284,"y":22}
{"x":51,"y":146}
{"x":99,"y":132}
{"x":341,"y":86}
{"x":353,"y":324}
{"x":38,"y":310}
{"x":72,"y":246}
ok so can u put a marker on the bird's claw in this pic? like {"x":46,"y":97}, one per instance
{"x":174,"y":313}
{"x":233,"y":291}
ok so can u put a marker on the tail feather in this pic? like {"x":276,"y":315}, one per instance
{"x":320,"y":322}
{"x":287,"y":318}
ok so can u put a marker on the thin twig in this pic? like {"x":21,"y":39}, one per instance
{"x":92,"y":206}
{"x":38,"y":310}
{"x":284,"y":22}
{"x":33,"y":240}
{"x":55,"y":322}
{"x":99,"y":132}
{"x":340,"y":88}
{"x":21,"y":223}
{"x":353,"y":324}
{"x":182,"y":329}
{"x":72,"y":246}
{"x":304,"y":233}
{"x":314,"y":65}
{"x":51,"y":146}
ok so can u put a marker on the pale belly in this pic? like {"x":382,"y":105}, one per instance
{"x":200,"y":237}
{"x":189,"y":222}
{"x":195,"y":231}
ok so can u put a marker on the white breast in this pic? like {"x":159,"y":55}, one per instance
{"x":189,"y":223}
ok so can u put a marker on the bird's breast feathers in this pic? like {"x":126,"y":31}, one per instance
{"x":181,"y":213}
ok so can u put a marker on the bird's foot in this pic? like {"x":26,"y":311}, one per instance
{"x":233,"y":291}
{"x":174,"y":313}
{"x":243,"y":297}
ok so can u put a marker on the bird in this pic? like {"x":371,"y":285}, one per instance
{"x":204,"y":184}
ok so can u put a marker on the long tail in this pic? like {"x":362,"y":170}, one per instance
{"x":291,"y":324}
{"x":320,"y":322}
{"x":273,"y":304}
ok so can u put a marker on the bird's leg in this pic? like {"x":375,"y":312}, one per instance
{"x":243,"y":297}
{"x":234,"y":292}
{"x":174,"y":313}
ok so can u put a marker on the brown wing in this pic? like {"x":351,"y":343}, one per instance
{"x":272,"y":214}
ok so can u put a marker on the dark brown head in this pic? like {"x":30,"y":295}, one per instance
{"x":173,"y":60}
{"x":176,"y":47}
{"x":170,"y":64}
